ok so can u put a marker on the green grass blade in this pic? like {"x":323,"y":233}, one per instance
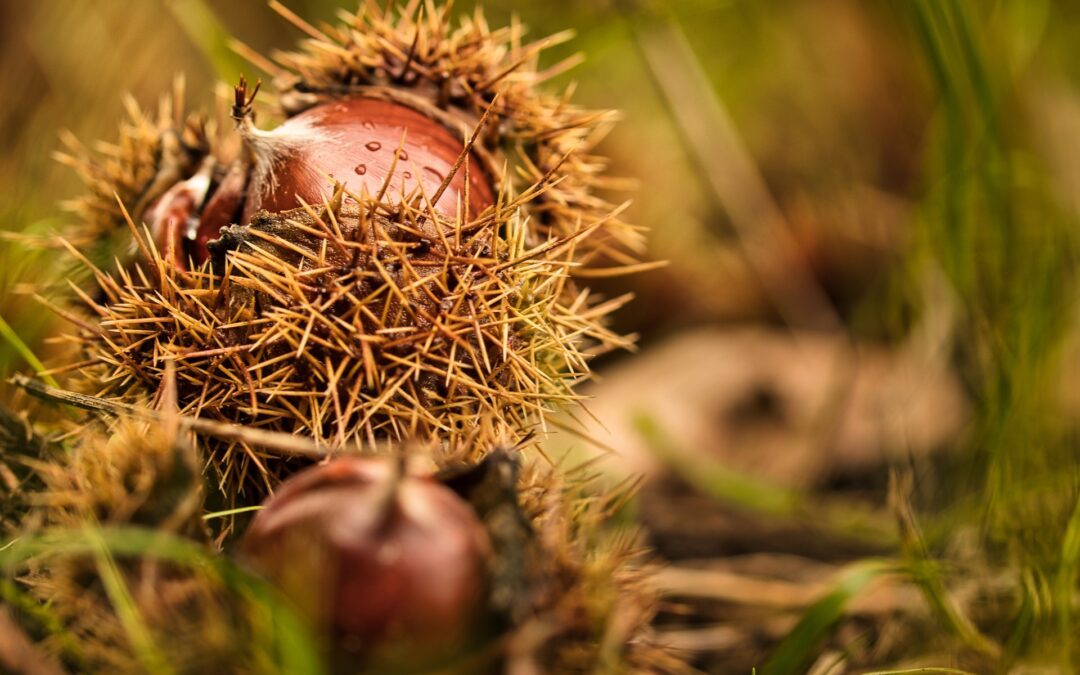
{"x":1065,"y":585}
{"x":796,"y":650}
{"x":142,"y":642}
{"x":28,"y":355}
{"x":714,"y":479}
{"x":231,"y":512}
{"x":923,"y":671}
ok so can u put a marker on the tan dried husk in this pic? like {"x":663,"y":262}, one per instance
{"x":595,"y":615}
{"x":352,"y":323}
{"x":144,"y":475}
{"x":535,"y":327}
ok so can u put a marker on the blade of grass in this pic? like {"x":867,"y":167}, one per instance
{"x":923,"y":671}
{"x":727,"y":168}
{"x":1009,"y":250}
{"x":734,"y":487}
{"x":142,"y":642}
{"x":1023,"y":620}
{"x":714,"y":479}
{"x":925,"y":572}
{"x":231,"y":512}
{"x":798,"y":647}
{"x":1065,"y":586}
{"x":28,"y":355}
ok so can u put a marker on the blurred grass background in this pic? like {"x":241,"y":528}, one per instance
{"x":870,"y":192}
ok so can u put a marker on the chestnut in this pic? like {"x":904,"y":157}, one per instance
{"x":393,"y":566}
{"x":371,"y":146}
{"x":356,"y":142}
{"x":174,"y":220}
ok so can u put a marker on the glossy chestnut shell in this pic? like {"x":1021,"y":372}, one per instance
{"x":390,"y":565}
{"x":354,"y":142}
{"x":350,"y":141}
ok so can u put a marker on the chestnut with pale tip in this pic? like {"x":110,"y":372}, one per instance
{"x":373,"y":147}
{"x":370,"y":146}
{"x":393,"y":566}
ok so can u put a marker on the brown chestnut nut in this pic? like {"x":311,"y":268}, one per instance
{"x":394,"y":567}
{"x":173,"y":218}
{"x":354,"y":141}
{"x":222,"y":209}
